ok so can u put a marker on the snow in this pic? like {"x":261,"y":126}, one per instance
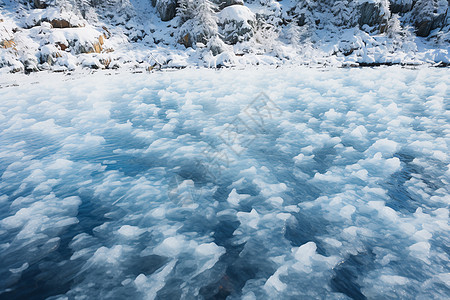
{"x":237,"y":13}
{"x":132,"y":35}
{"x":346,"y":185}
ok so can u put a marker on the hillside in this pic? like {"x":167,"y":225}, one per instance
{"x":62,"y":35}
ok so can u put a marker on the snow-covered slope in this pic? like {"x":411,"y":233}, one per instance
{"x":67,"y":34}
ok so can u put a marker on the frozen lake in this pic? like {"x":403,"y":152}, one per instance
{"x":289,"y":183}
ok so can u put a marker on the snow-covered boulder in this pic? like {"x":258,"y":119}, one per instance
{"x":400,"y":6}
{"x":428,"y":15}
{"x":374,"y":13}
{"x":237,"y":23}
{"x":49,"y":54}
{"x":30,"y":63}
{"x":73,"y":40}
{"x":58,"y":18}
{"x":10,"y":61}
{"x":166,"y":8}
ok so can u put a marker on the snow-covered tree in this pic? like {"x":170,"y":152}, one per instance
{"x":85,"y":7}
{"x":292,"y":33}
{"x":198,"y":21}
{"x":306,"y":11}
{"x":394,"y":27}
{"x":266,"y":35}
{"x":402,"y":38}
{"x":344,"y":13}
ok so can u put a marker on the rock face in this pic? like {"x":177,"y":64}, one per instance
{"x":40,"y":4}
{"x":373,"y":14}
{"x":429,"y":15}
{"x":237,"y":24}
{"x":167,"y":9}
{"x":5,"y":44}
{"x":400,"y":6}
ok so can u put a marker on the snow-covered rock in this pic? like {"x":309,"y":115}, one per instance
{"x":222,"y":33}
{"x":166,"y":9}
{"x":428,"y":15}
{"x":56,"y":17}
{"x":237,"y":23}
{"x":374,"y":13}
{"x":400,"y":6}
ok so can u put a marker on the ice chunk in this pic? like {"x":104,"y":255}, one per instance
{"x":208,"y":254}
{"x":420,"y":247}
{"x":304,"y":255}
{"x":384,"y":146}
{"x":130,"y":231}
{"x":347,"y":211}
{"x":277,"y":201}
{"x":61,"y":165}
{"x":234,"y":198}
{"x":359,"y":132}
{"x":332,"y":115}
{"x":171,"y":246}
{"x":394,"y":279}
{"x":250,"y":219}
{"x":274,"y":280}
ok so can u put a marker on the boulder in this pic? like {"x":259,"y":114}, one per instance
{"x":237,"y":23}
{"x":167,"y":9}
{"x":61,"y":23}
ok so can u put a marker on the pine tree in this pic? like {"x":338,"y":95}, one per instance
{"x":293,"y":33}
{"x":344,"y":13}
{"x":306,"y":10}
{"x":198,"y":21}
{"x":84,"y":7}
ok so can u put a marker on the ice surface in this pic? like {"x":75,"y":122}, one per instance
{"x":144,"y":186}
